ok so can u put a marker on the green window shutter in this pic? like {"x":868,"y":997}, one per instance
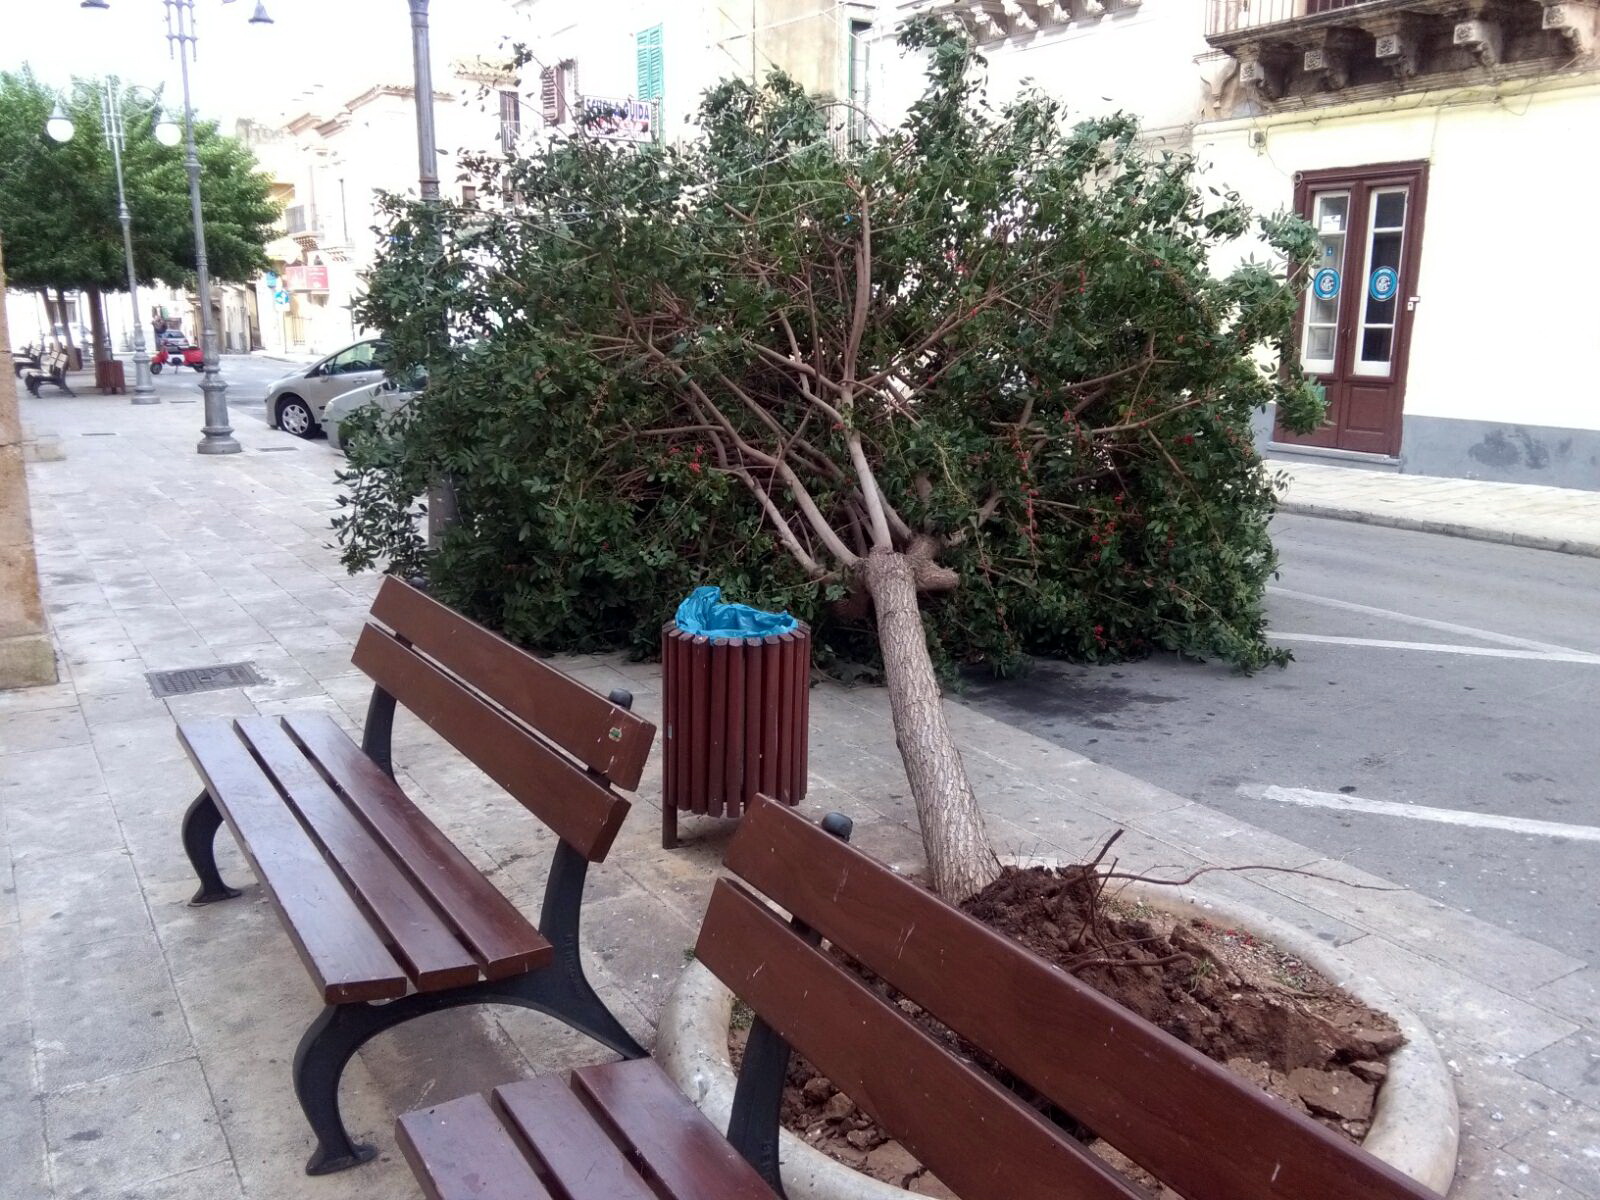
{"x":647,"y":47}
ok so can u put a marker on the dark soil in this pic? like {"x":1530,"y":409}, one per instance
{"x":1266,"y":1015}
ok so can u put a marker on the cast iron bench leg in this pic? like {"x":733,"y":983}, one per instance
{"x":200,"y":825}
{"x":342,"y":1029}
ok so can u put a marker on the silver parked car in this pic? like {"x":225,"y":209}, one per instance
{"x":389,"y":395}
{"x":296,"y":402}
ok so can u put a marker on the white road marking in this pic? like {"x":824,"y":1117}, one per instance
{"x":1307,"y":798}
{"x":1568,"y":656}
{"x":1487,"y":635}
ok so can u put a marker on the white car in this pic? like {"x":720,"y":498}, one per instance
{"x":296,"y":403}
{"x":388,"y":395}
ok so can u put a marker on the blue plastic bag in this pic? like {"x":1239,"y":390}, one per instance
{"x":704,"y":614}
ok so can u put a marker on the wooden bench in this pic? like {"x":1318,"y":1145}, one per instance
{"x":623,"y":1132}
{"x":52,"y":369}
{"x":391,"y":919}
{"x":25,"y":359}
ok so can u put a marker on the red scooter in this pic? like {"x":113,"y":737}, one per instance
{"x":185,"y":356}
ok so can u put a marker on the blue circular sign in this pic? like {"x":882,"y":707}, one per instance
{"x":1325,"y":284}
{"x":1385,"y":283}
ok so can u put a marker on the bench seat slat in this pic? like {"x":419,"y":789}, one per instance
{"x":416,"y":934}
{"x":460,"y":1150}
{"x":570,"y":1144}
{"x":1163,"y":1104}
{"x":683,"y":1151}
{"x":346,"y":958}
{"x":576,"y":805}
{"x":982,"y":1141}
{"x":582,"y":722}
{"x":505,"y":942}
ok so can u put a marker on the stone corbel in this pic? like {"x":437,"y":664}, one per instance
{"x":1575,"y":20}
{"x":1055,"y":12}
{"x":1022,"y":18}
{"x":1093,"y":9}
{"x":1329,"y":56}
{"x":1215,"y":77}
{"x":989,"y":21}
{"x":1398,"y":42}
{"x":1263,"y":70}
{"x":1481,"y":37}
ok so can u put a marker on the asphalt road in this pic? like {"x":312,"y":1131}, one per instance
{"x":1462,"y":676}
{"x":247,"y":378}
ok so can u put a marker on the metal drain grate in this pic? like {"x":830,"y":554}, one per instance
{"x":277,"y":449}
{"x":105,"y":434}
{"x":187,"y":680}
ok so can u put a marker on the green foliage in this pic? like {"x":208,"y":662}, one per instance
{"x":58,"y":202}
{"x":1045,"y":379}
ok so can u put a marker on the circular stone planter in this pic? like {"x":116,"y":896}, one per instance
{"x":1415,"y":1126}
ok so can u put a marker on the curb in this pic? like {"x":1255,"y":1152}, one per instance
{"x":1415,"y":1129}
{"x":1476,"y":533}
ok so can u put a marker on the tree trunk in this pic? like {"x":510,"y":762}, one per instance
{"x":959,"y":855}
{"x":66,"y":318}
{"x":97,"y":326}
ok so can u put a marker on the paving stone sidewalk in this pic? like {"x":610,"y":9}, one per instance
{"x":145,"y":1045}
{"x":1546,"y":518}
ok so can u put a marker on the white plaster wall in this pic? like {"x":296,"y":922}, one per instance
{"x":1141,"y":60}
{"x":1508,"y":323}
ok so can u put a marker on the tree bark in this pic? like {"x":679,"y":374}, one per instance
{"x":66,"y":319}
{"x":960,"y":858}
{"x":97,"y":326}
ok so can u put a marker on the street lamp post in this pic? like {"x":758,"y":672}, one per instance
{"x":143,"y":391}
{"x":441,"y":494}
{"x":422,"y":72}
{"x":216,"y":435}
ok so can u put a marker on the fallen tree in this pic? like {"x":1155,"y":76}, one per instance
{"x":971,"y":388}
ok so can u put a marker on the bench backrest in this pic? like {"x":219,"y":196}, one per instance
{"x":1202,"y":1130}
{"x":554,"y":744}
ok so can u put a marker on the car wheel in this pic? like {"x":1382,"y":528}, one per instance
{"x":294,"y":417}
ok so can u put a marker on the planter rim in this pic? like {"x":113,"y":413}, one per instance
{"x":1415,"y":1127}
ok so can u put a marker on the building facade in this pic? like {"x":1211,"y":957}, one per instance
{"x":650,"y":61}
{"x":329,"y":162}
{"x":1442,"y":149}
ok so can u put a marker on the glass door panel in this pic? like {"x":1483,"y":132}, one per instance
{"x":1380,"y":303}
{"x":1319,"y":342}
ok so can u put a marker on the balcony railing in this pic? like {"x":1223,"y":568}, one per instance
{"x":1238,"y":16}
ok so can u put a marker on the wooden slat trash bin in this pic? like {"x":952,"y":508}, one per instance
{"x":736,"y":715}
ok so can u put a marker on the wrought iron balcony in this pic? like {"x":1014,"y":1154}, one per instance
{"x":1225,"y":17}
{"x":1305,"y":48}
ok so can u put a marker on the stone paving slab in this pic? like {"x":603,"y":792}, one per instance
{"x":1546,"y":518}
{"x":113,"y":988}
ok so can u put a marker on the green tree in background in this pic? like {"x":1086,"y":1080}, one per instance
{"x":58,"y":206}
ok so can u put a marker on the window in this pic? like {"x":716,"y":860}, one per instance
{"x":356,"y":358}
{"x":558,"y":91}
{"x":510,"y":121}
{"x":647,"y":50}
{"x":859,"y":63}
{"x":469,"y":196}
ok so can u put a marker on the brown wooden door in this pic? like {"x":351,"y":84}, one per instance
{"x":1355,"y":323}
